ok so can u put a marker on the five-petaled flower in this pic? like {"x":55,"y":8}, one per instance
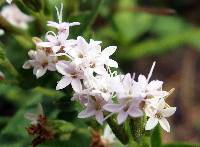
{"x":158,"y":111}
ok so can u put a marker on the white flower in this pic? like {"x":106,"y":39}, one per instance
{"x":1,"y":32}
{"x":102,"y":85}
{"x":17,"y":18}
{"x":105,"y":56}
{"x":63,"y":27}
{"x":108,"y":137}
{"x":153,"y":88}
{"x":94,"y":107}
{"x":129,"y":100}
{"x":40,"y":61}
{"x":90,"y":56}
{"x":83,"y":50}
{"x":124,"y":108}
{"x":58,"y":43}
{"x":127,"y":87}
{"x":71,"y":75}
{"x":157,"y":112}
{"x":81,"y":96}
{"x":9,"y":1}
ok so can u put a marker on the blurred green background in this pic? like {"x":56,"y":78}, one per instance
{"x":165,"y":31}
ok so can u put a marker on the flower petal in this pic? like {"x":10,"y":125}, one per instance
{"x":155,"y":85}
{"x":151,"y":123}
{"x":51,"y":38}
{"x":40,"y":72}
{"x":86,"y":113}
{"x":27,"y":65}
{"x":82,"y":42}
{"x":76,"y":85}
{"x":100,"y":70}
{"x":112,"y":63}
{"x":164,"y":124}
{"x":65,"y":81}
{"x":45,"y":44}
{"x":135,"y":112}
{"x":109,"y":51}
{"x":142,"y":81}
{"x":99,"y":117}
{"x":121,"y":117}
{"x":168,"y":111}
{"x":112,"y":107}
{"x":52,"y":24}
{"x":161,"y":103}
{"x":51,"y":67}
{"x":61,"y":67}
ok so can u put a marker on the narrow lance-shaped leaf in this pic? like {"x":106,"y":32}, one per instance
{"x":156,"y":138}
{"x":161,"y":45}
{"x":4,"y":62}
{"x":90,"y":18}
{"x":118,"y":130}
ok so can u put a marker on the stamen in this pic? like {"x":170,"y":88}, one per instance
{"x":151,"y":71}
{"x":109,"y":116}
{"x":51,"y":32}
{"x":74,"y":24}
{"x":169,"y":93}
{"x":59,"y":13}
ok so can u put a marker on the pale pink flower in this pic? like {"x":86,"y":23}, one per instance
{"x":14,"y":16}
{"x":157,"y":112}
{"x":58,"y":43}
{"x":40,"y":61}
{"x":94,"y":108}
{"x":63,"y":27}
{"x":153,"y":88}
{"x":71,"y":75}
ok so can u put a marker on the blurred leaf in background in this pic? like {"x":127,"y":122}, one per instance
{"x":116,"y":22}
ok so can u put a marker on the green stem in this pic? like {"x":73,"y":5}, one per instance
{"x":118,"y":130}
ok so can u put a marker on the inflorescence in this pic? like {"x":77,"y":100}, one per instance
{"x":101,"y":91}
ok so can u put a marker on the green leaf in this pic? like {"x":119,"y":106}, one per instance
{"x":48,"y":92}
{"x":156,"y":138}
{"x":5,"y":63}
{"x":118,"y":130}
{"x":88,"y":19}
{"x":167,"y":25}
{"x":145,"y":141}
{"x":131,"y":25}
{"x":14,"y":134}
{"x":62,"y":126}
{"x":181,"y":145}
{"x":161,"y":45}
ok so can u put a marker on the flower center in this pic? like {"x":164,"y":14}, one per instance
{"x":74,"y":75}
{"x":158,"y":115}
{"x":92,"y":65}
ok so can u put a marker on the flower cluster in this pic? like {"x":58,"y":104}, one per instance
{"x":15,"y":16}
{"x":101,"y":91}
